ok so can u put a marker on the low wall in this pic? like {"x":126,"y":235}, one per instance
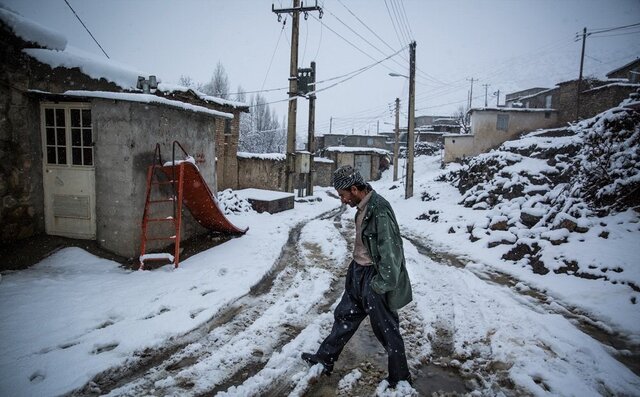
{"x":267,"y":171}
{"x":457,"y":147}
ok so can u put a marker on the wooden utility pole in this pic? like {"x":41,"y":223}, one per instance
{"x":471,"y":92}
{"x":497,"y":94}
{"x":584,"y":39}
{"x":485,"y":94}
{"x":311,"y":138}
{"x":397,"y":141}
{"x":290,"y":167}
{"x":412,"y":110}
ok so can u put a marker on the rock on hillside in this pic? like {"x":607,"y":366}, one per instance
{"x":549,"y":185}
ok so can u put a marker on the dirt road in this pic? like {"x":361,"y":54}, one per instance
{"x":252,"y":348}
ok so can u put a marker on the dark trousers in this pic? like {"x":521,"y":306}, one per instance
{"x":358,"y":301}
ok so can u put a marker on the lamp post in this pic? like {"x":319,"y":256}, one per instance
{"x":412,"y":108}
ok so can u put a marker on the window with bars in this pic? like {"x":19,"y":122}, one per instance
{"x":503,"y":122}
{"x":68,"y":135}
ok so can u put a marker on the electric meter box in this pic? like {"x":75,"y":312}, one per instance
{"x":303,"y":161}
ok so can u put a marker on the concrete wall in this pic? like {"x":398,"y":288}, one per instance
{"x":126,"y":134}
{"x":487,"y":136}
{"x":457,"y":147}
{"x":374,"y":141}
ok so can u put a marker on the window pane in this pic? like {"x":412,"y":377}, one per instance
{"x":75,"y":117}
{"x":51,"y":136}
{"x":61,"y":139}
{"x":48,"y":117}
{"x":75,"y":137}
{"x":62,"y":155}
{"x":88,"y":156}
{"x":76,"y":154}
{"x":51,"y":155}
{"x":60,"y":117}
{"x":86,"y":117}
{"x":86,"y":137}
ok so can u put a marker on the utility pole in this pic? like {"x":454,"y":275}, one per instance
{"x":293,"y":85}
{"x":485,"y":94}
{"x":471,"y":92}
{"x":311,"y":138}
{"x":330,"y":124}
{"x":396,"y":143}
{"x":497,"y":94}
{"x":584,"y":39}
{"x":412,"y":111}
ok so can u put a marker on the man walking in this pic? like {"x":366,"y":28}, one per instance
{"x":377,"y":283}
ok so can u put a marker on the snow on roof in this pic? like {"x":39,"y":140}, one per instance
{"x":322,"y":160}
{"x":57,"y":54}
{"x":142,"y":98}
{"x":31,"y":31}
{"x":614,"y":84}
{"x":348,"y":149}
{"x":536,"y":94}
{"x":170,"y":87}
{"x":93,"y":66}
{"x":503,"y":109}
{"x":262,"y":156}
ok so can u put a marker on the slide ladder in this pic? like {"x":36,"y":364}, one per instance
{"x":155,"y":207}
{"x":188,"y":187}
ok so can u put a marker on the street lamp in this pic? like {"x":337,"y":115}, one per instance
{"x":412,"y":111}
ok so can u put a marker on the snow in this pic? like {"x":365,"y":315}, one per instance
{"x":93,"y":66}
{"x":147,"y":98}
{"x":348,"y":149}
{"x":262,"y":156}
{"x":32,"y":32}
{"x":262,"y":194}
{"x":74,"y":315}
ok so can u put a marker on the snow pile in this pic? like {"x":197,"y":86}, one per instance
{"x":543,"y":190}
{"x":231,"y":203}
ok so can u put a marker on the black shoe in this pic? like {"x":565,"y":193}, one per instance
{"x":313,"y":359}
{"x":393,"y":384}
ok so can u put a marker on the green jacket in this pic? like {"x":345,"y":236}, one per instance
{"x":381,"y":237}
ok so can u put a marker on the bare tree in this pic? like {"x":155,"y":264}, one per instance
{"x":219,"y":84}
{"x":460,"y":116}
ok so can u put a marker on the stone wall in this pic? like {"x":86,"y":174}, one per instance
{"x":268,"y":174}
{"x":324,"y":170}
{"x":21,"y":190}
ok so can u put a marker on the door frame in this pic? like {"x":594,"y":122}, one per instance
{"x":85,"y":173}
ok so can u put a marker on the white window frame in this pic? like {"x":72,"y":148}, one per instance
{"x":67,"y":107}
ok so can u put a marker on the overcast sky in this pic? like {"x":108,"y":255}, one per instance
{"x":509,"y":45}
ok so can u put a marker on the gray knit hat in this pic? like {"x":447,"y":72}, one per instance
{"x":345,"y":177}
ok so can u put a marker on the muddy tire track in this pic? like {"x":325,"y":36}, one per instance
{"x":140,"y":373}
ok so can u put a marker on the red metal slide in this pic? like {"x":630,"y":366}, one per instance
{"x":199,"y":199}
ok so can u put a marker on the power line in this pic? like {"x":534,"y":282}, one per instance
{"x":393,"y":23}
{"x":87,"y":29}
{"x":272,"y":56}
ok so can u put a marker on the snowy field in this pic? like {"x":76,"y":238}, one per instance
{"x":73,"y":315}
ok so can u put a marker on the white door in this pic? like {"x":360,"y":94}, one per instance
{"x":363,"y":164}
{"x":69,"y":173}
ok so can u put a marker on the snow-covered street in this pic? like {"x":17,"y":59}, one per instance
{"x":234,"y":319}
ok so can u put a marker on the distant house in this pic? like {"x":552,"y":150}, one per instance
{"x":538,"y":107}
{"x":515,"y":99}
{"x":630,"y":72}
{"x":490,"y":127}
{"x":77,"y":136}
